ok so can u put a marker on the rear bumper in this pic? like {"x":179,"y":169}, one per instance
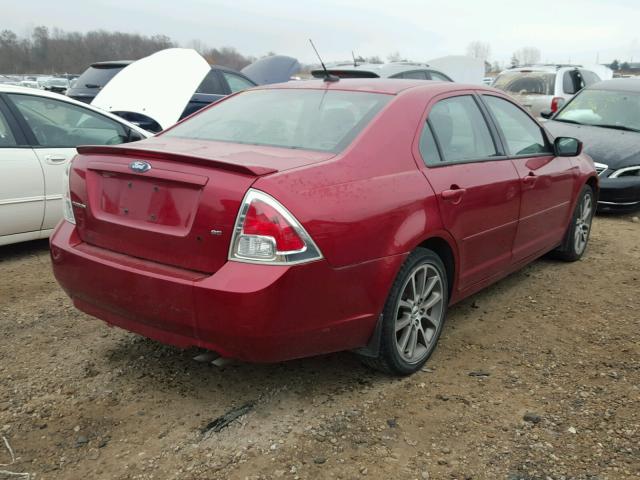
{"x":619,"y":194}
{"x":257,"y":313}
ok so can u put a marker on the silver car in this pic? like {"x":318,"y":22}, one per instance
{"x":544,"y":87}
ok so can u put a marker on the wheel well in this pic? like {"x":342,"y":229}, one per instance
{"x":443,"y":250}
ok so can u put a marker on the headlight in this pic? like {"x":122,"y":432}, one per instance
{"x":67,"y":206}
{"x":626,"y":172}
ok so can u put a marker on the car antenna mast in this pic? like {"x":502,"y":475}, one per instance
{"x":327,"y":76}
{"x":355,"y":62}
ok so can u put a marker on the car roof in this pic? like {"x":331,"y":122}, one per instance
{"x":382,"y":70}
{"x":618,"y":84}
{"x":389,"y":86}
{"x":542,"y":68}
{"x":63,"y":98}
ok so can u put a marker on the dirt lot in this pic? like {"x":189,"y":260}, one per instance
{"x":557,"y":343}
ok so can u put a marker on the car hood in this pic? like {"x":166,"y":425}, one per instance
{"x":615,"y":148}
{"x":272,"y":69}
{"x":158,"y":86}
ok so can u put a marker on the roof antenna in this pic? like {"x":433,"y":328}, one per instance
{"x":327,"y":76}
{"x":355,"y":63}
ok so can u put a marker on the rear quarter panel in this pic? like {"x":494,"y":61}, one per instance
{"x":371,"y":201}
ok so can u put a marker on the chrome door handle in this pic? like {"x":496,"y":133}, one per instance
{"x":55,"y":159}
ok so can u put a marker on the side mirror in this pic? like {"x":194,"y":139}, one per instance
{"x":546,"y":113}
{"x":567,"y":147}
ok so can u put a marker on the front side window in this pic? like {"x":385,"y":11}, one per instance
{"x":415,"y":75}
{"x":461,"y":130}
{"x":6,"y":135}
{"x":603,"y":108}
{"x":60,"y":124}
{"x":236,"y":82}
{"x":522,"y":134}
{"x":290,"y":118}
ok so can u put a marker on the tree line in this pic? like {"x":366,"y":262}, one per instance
{"x":57,"y":51}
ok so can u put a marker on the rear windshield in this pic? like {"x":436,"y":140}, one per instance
{"x":292,"y":118}
{"x":526,"y":83}
{"x":97,"y":77}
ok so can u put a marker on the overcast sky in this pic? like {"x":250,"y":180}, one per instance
{"x":563,"y":30}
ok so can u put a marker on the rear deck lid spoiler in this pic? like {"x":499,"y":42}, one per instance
{"x":143,"y":153}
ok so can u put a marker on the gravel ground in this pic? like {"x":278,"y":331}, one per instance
{"x":537,"y":377}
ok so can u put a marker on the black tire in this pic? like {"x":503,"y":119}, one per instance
{"x":392,"y":357}
{"x":572,"y":249}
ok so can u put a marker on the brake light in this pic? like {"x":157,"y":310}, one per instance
{"x":265,"y":232}
{"x":556,"y":103}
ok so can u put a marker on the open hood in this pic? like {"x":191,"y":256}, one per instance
{"x":158,"y":86}
{"x":273,"y":69}
{"x":460,"y":68}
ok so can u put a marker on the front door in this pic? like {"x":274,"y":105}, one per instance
{"x":546,"y":181}
{"x":477,"y":188}
{"x":21,"y":181}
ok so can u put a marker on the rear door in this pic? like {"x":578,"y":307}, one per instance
{"x":546,"y":181}
{"x":54,"y":128}
{"x":477,"y":187}
{"x":21,"y":180}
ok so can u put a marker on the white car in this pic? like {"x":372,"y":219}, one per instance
{"x":39,"y":133}
{"x":543,"y":88}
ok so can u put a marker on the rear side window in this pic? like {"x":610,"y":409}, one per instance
{"x":523,"y":135}
{"x":526,"y":83}
{"x":461,"y":130}
{"x":236,"y":82}
{"x":428,"y":146}
{"x":572,"y":82}
{"x":438,"y":76}
{"x":291,"y":118}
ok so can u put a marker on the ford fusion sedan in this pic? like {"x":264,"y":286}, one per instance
{"x":606,"y":117}
{"x":315,"y":217}
{"x":39,"y":132}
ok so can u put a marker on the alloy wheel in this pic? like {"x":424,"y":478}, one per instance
{"x":583,"y":223}
{"x":419,"y":313}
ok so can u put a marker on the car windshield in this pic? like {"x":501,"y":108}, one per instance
{"x":603,"y":108}
{"x":97,"y":77}
{"x":526,"y":83}
{"x":321,"y":120}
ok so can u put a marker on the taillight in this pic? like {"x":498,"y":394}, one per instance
{"x":265,"y":232}
{"x":556,"y":103}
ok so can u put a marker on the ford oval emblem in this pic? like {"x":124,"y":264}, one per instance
{"x":139,"y":166}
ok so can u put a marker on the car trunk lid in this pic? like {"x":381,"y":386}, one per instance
{"x":180,"y":211}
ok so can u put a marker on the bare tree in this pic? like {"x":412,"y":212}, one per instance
{"x":478,"y":49}
{"x":395,"y":57}
{"x":528,"y":55}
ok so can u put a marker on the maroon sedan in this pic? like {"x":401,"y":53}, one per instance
{"x":314,"y":217}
